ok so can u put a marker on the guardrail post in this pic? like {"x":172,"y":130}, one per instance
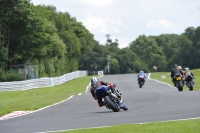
{"x":51,"y":80}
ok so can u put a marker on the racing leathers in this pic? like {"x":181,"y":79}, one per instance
{"x":95,"y":89}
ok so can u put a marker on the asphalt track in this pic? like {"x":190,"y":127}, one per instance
{"x":154,"y":102}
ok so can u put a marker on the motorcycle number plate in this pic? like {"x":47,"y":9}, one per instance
{"x":178,"y":78}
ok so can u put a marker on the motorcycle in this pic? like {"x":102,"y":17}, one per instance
{"x":141,"y":81}
{"x":189,"y":82}
{"x":178,"y":81}
{"x":112,"y":100}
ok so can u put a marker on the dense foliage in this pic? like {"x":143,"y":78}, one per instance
{"x":59,"y":44}
{"x":40,"y":34}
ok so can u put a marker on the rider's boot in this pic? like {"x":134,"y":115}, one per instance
{"x":101,"y":104}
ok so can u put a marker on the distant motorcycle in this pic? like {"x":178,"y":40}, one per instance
{"x":141,"y":81}
{"x":189,"y":82}
{"x":112,"y":100}
{"x":178,"y":82}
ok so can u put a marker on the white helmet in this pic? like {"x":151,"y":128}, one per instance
{"x":187,"y":69}
{"x":94,"y":79}
{"x":141,"y":71}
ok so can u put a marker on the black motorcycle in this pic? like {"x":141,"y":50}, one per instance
{"x":189,"y":82}
{"x":178,"y":81}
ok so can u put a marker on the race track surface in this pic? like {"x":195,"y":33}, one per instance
{"x":153,"y":102}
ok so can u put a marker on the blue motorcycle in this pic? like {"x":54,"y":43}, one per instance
{"x":111,"y":98}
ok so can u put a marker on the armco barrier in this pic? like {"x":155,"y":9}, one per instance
{"x":41,"y":82}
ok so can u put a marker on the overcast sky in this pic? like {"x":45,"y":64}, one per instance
{"x":125,"y":20}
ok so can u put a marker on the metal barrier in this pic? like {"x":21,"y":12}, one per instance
{"x":41,"y":82}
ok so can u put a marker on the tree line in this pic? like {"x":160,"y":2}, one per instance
{"x":42,"y":35}
{"x":59,"y":44}
{"x":145,"y":52}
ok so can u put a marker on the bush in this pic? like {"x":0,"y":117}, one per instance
{"x":10,"y":76}
{"x":13,"y":76}
{"x":2,"y":76}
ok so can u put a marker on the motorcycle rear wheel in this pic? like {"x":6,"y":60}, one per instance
{"x":111,"y":104}
{"x":140,"y":84}
{"x":180,"y":86}
{"x":191,"y":86}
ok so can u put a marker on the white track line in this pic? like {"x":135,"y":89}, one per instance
{"x":172,"y":120}
{"x":29,"y":112}
{"x":106,"y":126}
{"x":21,"y":113}
{"x":158,"y":80}
{"x":87,"y":88}
{"x":135,"y":123}
{"x":73,"y":129}
{"x":173,"y":87}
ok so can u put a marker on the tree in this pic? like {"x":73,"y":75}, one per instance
{"x":149,"y":52}
{"x":184,"y":56}
{"x":193,"y":34}
{"x":170,"y":47}
{"x":190,"y":33}
{"x":114,"y":66}
{"x":15,"y":17}
{"x":126,"y":59}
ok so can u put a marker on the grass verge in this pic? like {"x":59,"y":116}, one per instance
{"x":184,"y":126}
{"x":159,"y":75}
{"x":41,"y":97}
{"x":37,"y":98}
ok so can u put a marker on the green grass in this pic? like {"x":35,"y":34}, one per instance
{"x":37,"y":98}
{"x":184,"y":126}
{"x":41,"y":97}
{"x":196,"y":72}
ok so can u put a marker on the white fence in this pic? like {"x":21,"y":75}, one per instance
{"x":42,"y":82}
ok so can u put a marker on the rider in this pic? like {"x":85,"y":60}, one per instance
{"x":175,"y":70}
{"x":179,"y":67}
{"x":188,"y":73}
{"x":97,"y":85}
{"x":183,"y":81}
{"x":140,"y":75}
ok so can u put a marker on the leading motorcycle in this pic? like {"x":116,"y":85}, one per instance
{"x":112,"y":100}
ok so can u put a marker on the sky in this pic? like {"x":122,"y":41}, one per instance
{"x":125,"y":20}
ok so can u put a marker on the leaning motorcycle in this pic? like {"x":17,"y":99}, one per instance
{"x":141,"y":81}
{"x":178,"y":82}
{"x":112,"y":100}
{"x":189,"y":82}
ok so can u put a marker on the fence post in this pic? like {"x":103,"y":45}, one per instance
{"x":51,"y":80}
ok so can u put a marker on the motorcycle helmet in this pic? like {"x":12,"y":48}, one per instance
{"x":141,"y":71}
{"x":94,"y":79}
{"x":95,"y":85}
{"x":186,"y":69}
{"x":179,"y":67}
{"x":175,"y":65}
